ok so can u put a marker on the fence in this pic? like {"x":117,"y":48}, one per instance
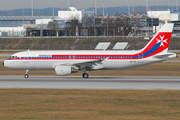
{"x":130,"y":46}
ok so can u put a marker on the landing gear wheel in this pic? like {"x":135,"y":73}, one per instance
{"x":26,"y":76}
{"x":85,"y":75}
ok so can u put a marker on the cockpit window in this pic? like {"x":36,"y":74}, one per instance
{"x":13,"y":57}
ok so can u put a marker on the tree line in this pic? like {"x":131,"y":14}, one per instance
{"x":92,"y":25}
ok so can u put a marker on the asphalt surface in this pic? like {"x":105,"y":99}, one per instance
{"x":5,"y":55}
{"x":118,"y":83}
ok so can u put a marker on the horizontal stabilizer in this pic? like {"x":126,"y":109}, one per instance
{"x":166,"y":56}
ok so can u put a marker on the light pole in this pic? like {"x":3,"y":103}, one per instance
{"x":95,"y":7}
{"x":23,"y":16}
{"x":176,"y":5}
{"x":107,"y":25}
{"x":128,"y":7}
{"x":76,"y":3}
{"x":32,"y":6}
{"x":147,"y":7}
{"x":133,"y":6}
{"x":13,"y":30}
{"x":103,"y":7}
{"x":53,"y":8}
{"x":158,"y":4}
{"x":68,"y":5}
{"x":23,"y":21}
{"x":94,"y":23}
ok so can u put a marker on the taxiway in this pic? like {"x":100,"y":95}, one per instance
{"x":119,"y":83}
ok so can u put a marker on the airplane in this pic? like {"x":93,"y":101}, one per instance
{"x":66,"y":62}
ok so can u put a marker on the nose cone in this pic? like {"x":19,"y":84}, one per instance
{"x":4,"y":63}
{"x":7,"y":64}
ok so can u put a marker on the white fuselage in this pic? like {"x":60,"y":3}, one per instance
{"x":48,"y":60}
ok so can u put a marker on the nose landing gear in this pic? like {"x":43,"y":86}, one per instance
{"x":26,"y":75}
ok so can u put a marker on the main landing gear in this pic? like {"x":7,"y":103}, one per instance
{"x":85,"y":75}
{"x":26,"y":75}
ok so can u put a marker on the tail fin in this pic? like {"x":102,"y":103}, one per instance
{"x":160,"y":42}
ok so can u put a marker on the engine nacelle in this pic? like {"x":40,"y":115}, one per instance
{"x":63,"y":70}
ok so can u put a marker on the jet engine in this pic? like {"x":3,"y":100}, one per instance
{"x":65,"y":70}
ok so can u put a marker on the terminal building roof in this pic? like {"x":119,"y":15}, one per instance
{"x":26,"y":18}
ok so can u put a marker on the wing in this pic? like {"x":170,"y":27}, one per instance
{"x":87,"y":64}
{"x":81,"y":65}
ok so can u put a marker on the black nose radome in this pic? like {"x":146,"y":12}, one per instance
{"x":3,"y":63}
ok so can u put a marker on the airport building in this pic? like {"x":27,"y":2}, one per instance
{"x":22,"y":26}
{"x":17,"y":25}
{"x":154,"y":20}
{"x":164,"y":17}
{"x":12,"y":26}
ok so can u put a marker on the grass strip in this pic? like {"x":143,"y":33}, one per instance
{"x":46,"y":104}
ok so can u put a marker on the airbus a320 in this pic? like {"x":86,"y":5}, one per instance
{"x":72,"y":61}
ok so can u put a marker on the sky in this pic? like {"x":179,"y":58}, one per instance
{"x":82,"y":4}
